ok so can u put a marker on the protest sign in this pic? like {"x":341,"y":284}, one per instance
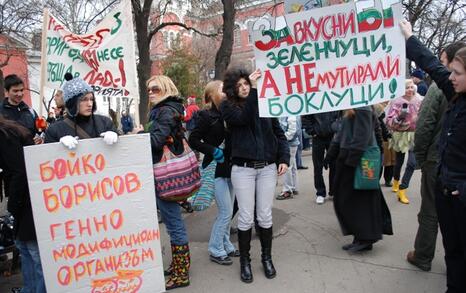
{"x":331,"y":58}
{"x":95,"y":216}
{"x":104,"y":58}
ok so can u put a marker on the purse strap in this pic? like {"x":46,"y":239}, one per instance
{"x":79,"y":131}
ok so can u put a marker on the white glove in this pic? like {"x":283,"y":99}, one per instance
{"x":69,"y":141}
{"x":110,"y":137}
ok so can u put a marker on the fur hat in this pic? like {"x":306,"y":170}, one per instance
{"x":418,"y":73}
{"x":73,"y":90}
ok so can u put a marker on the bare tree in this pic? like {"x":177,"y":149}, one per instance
{"x":437,"y":23}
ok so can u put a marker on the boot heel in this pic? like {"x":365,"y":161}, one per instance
{"x":246,"y":271}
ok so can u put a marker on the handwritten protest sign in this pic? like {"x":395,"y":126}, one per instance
{"x":330,"y":58}
{"x":105,"y":57}
{"x":95,"y":216}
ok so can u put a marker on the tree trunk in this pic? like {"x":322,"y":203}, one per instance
{"x":223,"y":56}
{"x":2,"y":87}
{"x":141,"y":18}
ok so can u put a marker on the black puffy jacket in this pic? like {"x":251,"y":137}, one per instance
{"x":209,"y":134}
{"x":165,"y":127}
{"x":254,"y":138}
{"x":93,"y":125}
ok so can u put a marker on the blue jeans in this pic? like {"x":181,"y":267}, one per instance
{"x":31,"y":267}
{"x":171,"y":216}
{"x":219,"y":243}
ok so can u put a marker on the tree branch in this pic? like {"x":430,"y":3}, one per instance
{"x":180,"y":24}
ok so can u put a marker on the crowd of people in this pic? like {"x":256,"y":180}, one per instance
{"x":250,"y":152}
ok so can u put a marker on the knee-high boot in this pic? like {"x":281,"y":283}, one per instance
{"x":181,"y":261}
{"x":244,"y":243}
{"x":266,"y":236}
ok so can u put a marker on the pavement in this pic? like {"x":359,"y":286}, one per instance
{"x":307,"y":251}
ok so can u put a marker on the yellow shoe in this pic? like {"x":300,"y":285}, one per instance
{"x":402,"y":196}
{"x":396,"y":185}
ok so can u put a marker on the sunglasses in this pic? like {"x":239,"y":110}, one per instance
{"x":154,"y":89}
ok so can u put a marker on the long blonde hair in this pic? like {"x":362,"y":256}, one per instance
{"x":211,"y":89}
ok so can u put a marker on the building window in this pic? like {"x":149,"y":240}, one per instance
{"x":237,"y":36}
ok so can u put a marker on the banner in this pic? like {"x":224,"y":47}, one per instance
{"x":95,"y":216}
{"x":104,"y":58}
{"x":331,"y":58}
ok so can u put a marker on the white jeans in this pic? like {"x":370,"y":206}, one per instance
{"x":291,"y":179}
{"x":254,"y":187}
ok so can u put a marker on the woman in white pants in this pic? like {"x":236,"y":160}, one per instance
{"x":258,"y":146}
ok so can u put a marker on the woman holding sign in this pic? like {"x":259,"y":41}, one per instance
{"x":80,"y":122}
{"x":165,"y":129}
{"x":12,"y":139}
{"x":258,"y":147}
{"x":451,"y":183}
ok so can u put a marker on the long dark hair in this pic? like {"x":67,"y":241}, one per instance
{"x":232,"y":76}
{"x":11,"y":128}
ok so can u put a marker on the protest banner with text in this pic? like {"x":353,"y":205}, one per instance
{"x":95,"y":216}
{"x":331,"y":58}
{"x":104,"y":58}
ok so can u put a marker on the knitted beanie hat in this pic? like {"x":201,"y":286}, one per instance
{"x":73,"y":90}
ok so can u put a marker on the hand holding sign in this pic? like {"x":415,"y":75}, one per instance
{"x":254,"y":77}
{"x":69,"y":141}
{"x":406,"y":28}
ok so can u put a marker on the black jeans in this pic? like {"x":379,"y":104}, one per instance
{"x":451,"y":214}
{"x":409,"y":170}
{"x":319,"y":147}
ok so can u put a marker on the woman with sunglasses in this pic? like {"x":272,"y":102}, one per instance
{"x":451,"y":183}
{"x":259,"y":153}
{"x":165,"y":128}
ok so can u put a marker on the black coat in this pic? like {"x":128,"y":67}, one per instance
{"x":165,"y":123}
{"x":19,"y":202}
{"x":452,"y":142}
{"x":22,"y":114}
{"x":321,"y":125}
{"x":254,"y":138}
{"x":361,"y":213}
{"x":209,"y":134}
{"x":93,"y":126}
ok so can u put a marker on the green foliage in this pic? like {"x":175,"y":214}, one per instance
{"x":183,"y":68}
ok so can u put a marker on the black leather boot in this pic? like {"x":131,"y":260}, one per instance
{"x":266,"y":236}
{"x":244,"y":243}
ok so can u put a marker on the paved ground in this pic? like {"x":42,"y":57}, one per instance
{"x":307,"y":252}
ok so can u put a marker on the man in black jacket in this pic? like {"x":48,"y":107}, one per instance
{"x":321,"y":127}
{"x":14,"y":108}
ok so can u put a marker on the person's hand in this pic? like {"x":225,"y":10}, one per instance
{"x":38,"y":139}
{"x":137,"y":129}
{"x":282,"y":168}
{"x":254,"y":77}
{"x":402,"y":116}
{"x":110,"y":137}
{"x":69,"y":141}
{"x":456,"y":192}
{"x":218,"y":155}
{"x":406,"y":28}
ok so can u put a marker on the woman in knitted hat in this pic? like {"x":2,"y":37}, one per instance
{"x":80,"y":122}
